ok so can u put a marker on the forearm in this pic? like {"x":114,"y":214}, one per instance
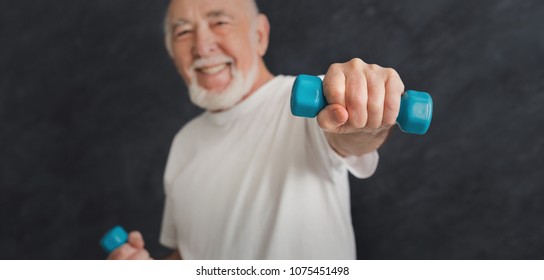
{"x":358,"y":143}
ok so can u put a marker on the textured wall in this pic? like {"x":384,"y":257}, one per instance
{"x":89,"y":103}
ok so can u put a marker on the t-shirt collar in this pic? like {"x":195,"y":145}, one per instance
{"x":249,"y":104}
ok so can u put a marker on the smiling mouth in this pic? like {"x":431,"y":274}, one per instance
{"x":213,"y":69}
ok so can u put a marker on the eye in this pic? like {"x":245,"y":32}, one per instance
{"x":220,"y":23}
{"x":181,"y":33}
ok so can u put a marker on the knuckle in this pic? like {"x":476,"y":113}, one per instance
{"x":374,"y":77}
{"x":357,"y":84}
{"x":359,"y":120}
{"x":390,"y":72}
{"x":374,"y":67}
{"x":357,"y":99}
{"x":363,"y":122}
{"x":374,"y":105}
{"x":396,"y":88}
{"x":374,"y":86}
{"x":324,"y":123}
{"x":391,"y":107}
{"x":357,"y":62}
{"x":353,"y":67}
{"x":394,"y":80}
{"x":334,"y":67}
{"x":375,"y":121}
{"x":401,"y":86}
{"x":332,"y":92}
{"x":375,"y":109}
{"x":134,"y":235}
{"x":389,"y":122}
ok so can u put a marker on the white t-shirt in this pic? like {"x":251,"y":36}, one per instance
{"x":255,"y":182}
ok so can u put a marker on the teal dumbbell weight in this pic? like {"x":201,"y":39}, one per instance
{"x":113,"y":239}
{"x":416,"y":107}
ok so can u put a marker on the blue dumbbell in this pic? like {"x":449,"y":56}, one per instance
{"x":416,"y":108}
{"x":113,"y":239}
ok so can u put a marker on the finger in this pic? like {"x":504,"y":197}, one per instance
{"x":356,"y":99}
{"x":136,"y":239}
{"x":376,"y":99}
{"x":334,"y":84}
{"x":140,"y":255}
{"x":394,"y":88}
{"x":332,"y":117}
{"x":122,"y":253}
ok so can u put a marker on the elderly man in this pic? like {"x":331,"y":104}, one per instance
{"x":246,"y":179}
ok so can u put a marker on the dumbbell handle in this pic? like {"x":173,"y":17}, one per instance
{"x":416,"y":107}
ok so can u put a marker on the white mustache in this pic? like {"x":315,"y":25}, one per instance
{"x":210,"y":61}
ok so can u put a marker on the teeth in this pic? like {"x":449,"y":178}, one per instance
{"x":213,"y":69}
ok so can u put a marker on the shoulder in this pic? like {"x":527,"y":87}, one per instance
{"x":280,"y":89}
{"x":188,"y":131}
{"x":279,"y":82}
{"x":180,"y":150}
{"x":283,"y":82}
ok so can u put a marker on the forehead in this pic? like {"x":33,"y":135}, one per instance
{"x":192,"y":9}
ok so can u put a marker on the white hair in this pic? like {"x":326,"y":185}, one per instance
{"x":168,"y":29}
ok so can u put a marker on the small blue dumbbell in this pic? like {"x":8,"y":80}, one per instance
{"x":416,"y":108}
{"x":113,"y":239}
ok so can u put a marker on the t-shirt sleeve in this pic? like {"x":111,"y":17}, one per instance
{"x":168,"y":230}
{"x":360,"y":166}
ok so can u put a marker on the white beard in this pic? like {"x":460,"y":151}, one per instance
{"x":237,"y":89}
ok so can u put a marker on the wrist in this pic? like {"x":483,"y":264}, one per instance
{"x":357,"y":143}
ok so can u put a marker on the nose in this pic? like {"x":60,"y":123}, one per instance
{"x":205,"y":44}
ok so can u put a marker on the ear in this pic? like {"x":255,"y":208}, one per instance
{"x":263,"y":34}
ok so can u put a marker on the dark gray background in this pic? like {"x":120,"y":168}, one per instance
{"x":89,"y":103}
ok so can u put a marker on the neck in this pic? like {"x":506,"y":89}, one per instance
{"x":262,"y":78}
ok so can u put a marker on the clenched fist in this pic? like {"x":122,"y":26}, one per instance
{"x":362,"y":98}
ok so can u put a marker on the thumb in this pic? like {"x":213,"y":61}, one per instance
{"x":136,"y":239}
{"x":332,"y":117}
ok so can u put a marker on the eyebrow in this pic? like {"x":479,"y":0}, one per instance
{"x":218,"y":13}
{"x":209,"y":15}
{"x":179,"y":22}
